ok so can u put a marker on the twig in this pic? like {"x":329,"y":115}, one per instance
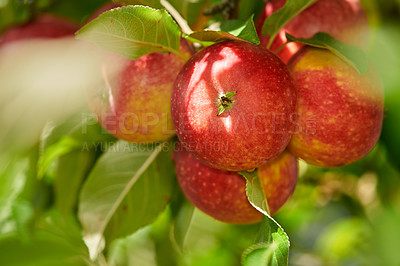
{"x":179,"y":19}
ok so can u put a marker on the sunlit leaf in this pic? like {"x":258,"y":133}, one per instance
{"x":165,"y":252}
{"x":243,"y":29}
{"x":12,"y":181}
{"x":136,"y":249}
{"x":133,"y":31}
{"x":353,"y":55}
{"x":127,"y":189}
{"x":151,"y":3}
{"x":272,"y":243}
{"x":61,"y":147}
{"x":280,"y":18}
{"x":230,"y":30}
{"x":22,"y":214}
{"x":71,"y":170}
{"x":54,"y":242}
{"x":182,"y":225}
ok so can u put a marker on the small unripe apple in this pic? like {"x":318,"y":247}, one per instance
{"x":231,"y":105}
{"x":343,"y":19}
{"x":45,"y":26}
{"x":339,"y":111}
{"x":222,"y":194}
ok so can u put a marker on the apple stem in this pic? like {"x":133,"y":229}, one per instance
{"x":179,"y":19}
{"x":225,"y":102}
{"x":277,"y":50}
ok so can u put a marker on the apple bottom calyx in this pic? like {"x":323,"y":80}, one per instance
{"x":225,"y":102}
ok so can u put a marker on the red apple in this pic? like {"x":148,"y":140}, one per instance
{"x":134,"y":102}
{"x":45,"y":26}
{"x":222,"y":194}
{"x":255,"y":126}
{"x":279,"y":179}
{"x":339,"y":111}
{"x":343,"y":19}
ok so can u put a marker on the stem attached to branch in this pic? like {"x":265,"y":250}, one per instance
{"x":175,"y":14}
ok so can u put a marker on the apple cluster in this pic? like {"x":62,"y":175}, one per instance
{"x":236,"y":106}
{"x":239,"y":107}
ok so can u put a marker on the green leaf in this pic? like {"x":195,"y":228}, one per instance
{"x":351,"y":54}
{"x":61,"y":147}
{"x":258,"y":255}
{"x":133,"y":31}
{"x":64,"y":226}
{"x":72,"y":168}
{"x":243,"y":29}
{"x":165,"y":252}
{"x":127,"y":189}
{"x":280,"y":18}
{"x":22,"y":214}
{"x":272,"y":243}
{"x":44,"y":249}
{"x":210,"y":36}
{"x":230,"y":30}
{"x":255,"y":192}
{"x":274,"y":252}
{"x":55,"y":242}
{"x":82,"y":126}
{"x":135,"y":249}
{"x":182,"y":224}
{"x":151,"y":3}
{"x":13,"y":177}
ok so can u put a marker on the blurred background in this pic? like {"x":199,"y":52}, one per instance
{"x":341,"y":216}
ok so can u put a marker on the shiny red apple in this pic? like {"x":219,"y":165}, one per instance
{"x":231,"y":105}
{"x":222,"y":194}
{"x":339,"y":111}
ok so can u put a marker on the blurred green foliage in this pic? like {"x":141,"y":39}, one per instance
{"x":343,"y":216}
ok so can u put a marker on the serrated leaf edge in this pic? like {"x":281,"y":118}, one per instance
{"x":164,"y":12}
